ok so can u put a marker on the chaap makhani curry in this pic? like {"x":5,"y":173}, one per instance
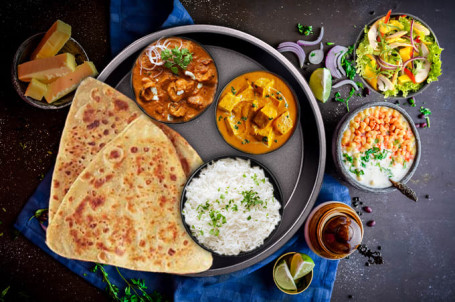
{"x":174,"y":80}
{"x":257,"y":112}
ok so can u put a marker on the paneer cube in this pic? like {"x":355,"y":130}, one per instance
{"x":265,"y":116}
{"x":261,"y":84}
{"x":247,"y":94}
{"x":228,"y":102}
{"x":233,"y":126}
{"x":283,"y":123}
{"x":265,"y":135}
{"x":242,"y":110}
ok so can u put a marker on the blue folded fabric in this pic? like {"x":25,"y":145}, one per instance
{"x":251,"y":284}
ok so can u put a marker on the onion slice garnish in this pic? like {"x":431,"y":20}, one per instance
{"x":311,"y":43}
{"x":412,"y":36}
{"x":317,"y":55}
{"x":346,"y":82}
{"x":386,"y":65}
{"x":294,"y":48}
{"x":413,"y":59}
{"x":331,"y":60}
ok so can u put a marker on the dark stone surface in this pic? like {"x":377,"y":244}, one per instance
{"x":416,"y":239}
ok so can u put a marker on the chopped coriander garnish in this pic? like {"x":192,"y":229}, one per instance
{"x":249,"y":218}
{"x":244,"y":118}
{"x":330,"y":43}
{"x":425,"y":111}
{"x":312,"y":54}
{"x":175,"y":58}
{"x":251,"y":198}
{"x":356,"y":171}
{"x":233,"y":90}
{"x":304,"y":30}
{"x":220,"y":118}
{"x":412,"y":102}
{"x":348,"y":158}
{"x":348,"y":65}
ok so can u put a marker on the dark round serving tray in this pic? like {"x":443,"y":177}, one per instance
{"x":298,"y":165}
{"x":361,"y":36}
{"x":276,"y":193}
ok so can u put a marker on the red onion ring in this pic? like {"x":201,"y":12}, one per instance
{"x":386,"y":65}
{"x":331,"y":60}
{"x":412,"y":37}
{"x":294,"y":48}
{"x":346,"y":82}
{"x":339,"y":57}
{"x":311,"y":43}
{"x":413,"y":59}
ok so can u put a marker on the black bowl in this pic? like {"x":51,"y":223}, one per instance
{"x":276,"y":192}
{"x":337,"y":154}
{"x":297,"y":104}
{"x":194,"y":117}
{"x":23,"y":54}
{"x":360,"y":37}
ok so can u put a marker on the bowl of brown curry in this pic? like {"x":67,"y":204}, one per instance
{"x":257,"y":112}
{"x":174,"y":80}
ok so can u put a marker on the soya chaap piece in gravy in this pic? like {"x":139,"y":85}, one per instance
{"x":174,"y":80}
{"x":378,"y":144}
{"x":257,"y":112}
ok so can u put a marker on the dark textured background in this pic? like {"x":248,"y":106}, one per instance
{"x":417,"y":239}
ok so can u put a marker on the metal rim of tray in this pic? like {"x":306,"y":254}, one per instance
{"x":312,"y":118}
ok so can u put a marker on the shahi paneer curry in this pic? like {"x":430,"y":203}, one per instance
{"x":174,"y":80}
{"x":257,"y":112}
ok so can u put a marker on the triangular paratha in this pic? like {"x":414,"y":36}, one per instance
{"x":123,"y":209}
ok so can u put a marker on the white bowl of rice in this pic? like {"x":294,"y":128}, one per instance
{"x":231,"y":205}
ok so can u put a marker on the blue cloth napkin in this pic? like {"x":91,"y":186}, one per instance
{"x":131,"y":20}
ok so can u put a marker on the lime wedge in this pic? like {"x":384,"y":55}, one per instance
{"x":283,"y":277}
{"x":301,"y":265}
{"x":321,"y":84}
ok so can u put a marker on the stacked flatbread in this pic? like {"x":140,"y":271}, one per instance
{"x":116,"y":187}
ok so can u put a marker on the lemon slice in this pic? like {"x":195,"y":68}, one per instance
{"x":321,"y":84}
{"x":301,"y":265}
{"x":283,"y":277}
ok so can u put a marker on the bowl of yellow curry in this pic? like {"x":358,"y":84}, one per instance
{"x":257,"y":112}
{"x":174,"y":80}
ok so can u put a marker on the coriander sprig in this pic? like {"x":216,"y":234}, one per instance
{"x":134,"y":291}
{"x":175,"y":58}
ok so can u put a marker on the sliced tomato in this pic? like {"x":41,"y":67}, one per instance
{"x":417,"y":39}
{"x":387,"y":17}
{"x":410,"y":75}
{"x":403,"y":16}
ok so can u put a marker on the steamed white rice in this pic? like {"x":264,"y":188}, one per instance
{"x":216,"y":207}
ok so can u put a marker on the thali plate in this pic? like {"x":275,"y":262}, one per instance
{"x":298,"y":165}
